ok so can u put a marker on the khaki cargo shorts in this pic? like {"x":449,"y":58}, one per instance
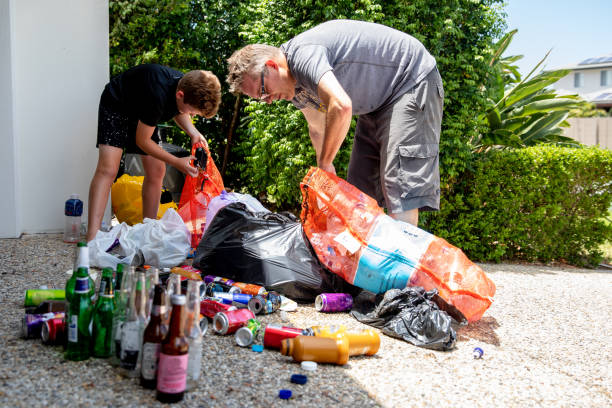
{"x":395,"y":153}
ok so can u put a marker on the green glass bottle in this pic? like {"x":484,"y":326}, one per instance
{"x":102,"y":328}
{"x":78,"y":319}
{"x":81,"y":261}
{"x":122,"y":294}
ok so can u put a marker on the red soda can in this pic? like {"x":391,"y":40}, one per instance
{"x":210,"y":307}
{"x":249,"y":288}
{"x":53,"y":331}
{"x":274,"y":334}
{"x":230,"y":321}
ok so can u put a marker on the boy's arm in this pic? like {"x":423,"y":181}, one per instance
{"x":143,"y":140}
{"x":183,"y":121}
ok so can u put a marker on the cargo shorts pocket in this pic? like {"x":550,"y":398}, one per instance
{"x":419,"y":173}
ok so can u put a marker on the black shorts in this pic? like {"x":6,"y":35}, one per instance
{"x":117,"y":129}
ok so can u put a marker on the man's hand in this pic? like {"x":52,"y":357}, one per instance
{"x":183,"y":164}
{"x":329,"y":168}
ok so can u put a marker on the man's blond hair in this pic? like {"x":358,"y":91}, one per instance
{"x":202,"y":90}
{"x":249,"y":62}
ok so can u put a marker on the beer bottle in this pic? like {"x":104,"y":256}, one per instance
{"x":133,"y":327}
{"x":78,"y":319}
{"x":173,"y":287}
{"x":193,"y":332}
{"x":81,"y":261}
{"x":122,"y":295}
{"x":118,"y":277}
{"x":152,"y":279}
{"x":172,"y":371}
{"x":152,"y":338}
{"x":102,"y":328}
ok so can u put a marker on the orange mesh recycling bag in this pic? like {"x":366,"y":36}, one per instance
{"x":196,"y":195}
{"x":353,"y":237}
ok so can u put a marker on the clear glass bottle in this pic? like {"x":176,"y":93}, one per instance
{"x":133,"y":327}
{"x":193,"y":332}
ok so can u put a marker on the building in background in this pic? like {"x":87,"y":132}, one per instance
{"x":591,"y":79}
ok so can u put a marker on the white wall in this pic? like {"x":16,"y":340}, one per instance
{"x":59,"y":65}
{"x":591,"y":83}
{"x":9,"y":208}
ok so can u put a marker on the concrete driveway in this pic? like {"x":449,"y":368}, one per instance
{"x":546,"y":342}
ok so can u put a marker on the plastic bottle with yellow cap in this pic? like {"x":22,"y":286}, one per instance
{"x":318,"y":349}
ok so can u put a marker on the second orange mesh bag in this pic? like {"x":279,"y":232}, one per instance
{"x":197,"y":193}
{"x":353,"y":237}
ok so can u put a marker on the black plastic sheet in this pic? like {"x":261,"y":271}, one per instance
{"x":267,"y":249}
{"x":411,"y":314}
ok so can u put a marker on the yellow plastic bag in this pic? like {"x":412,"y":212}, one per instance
{"x":126,"y":199}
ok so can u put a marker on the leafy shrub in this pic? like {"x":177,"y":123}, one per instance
{"x":540,"y":203}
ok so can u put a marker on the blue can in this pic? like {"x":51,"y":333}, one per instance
{"x":236,"y":299}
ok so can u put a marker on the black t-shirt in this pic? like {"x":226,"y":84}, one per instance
{"x":146,"y":92}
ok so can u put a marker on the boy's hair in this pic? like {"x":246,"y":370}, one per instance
{"x":202,"y":90}
{"x":248,"y":61}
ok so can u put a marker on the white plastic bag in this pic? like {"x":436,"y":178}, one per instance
{"x":161,"y":243}
{"x":226,"y":198}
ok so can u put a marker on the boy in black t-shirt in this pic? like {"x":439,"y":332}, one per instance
{"x":131,"y":106}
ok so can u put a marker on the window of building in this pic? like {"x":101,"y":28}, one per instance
{"x":578,"y":79}
{"x":606,"y":78}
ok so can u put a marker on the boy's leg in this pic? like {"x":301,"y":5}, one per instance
{"x":109,"y":158}
{"x":155,"y":170}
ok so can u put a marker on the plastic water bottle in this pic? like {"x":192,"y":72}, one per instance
{"x":73,"y":211}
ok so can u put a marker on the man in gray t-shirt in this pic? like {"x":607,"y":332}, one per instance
{"x":342,"y":68}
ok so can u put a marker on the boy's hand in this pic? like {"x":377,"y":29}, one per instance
{"x":201,"y":139}
{"x":183,"y":164}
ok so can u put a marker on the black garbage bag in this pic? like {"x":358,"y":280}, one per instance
{"x":268,"y":249}
{"x":411,"y":314}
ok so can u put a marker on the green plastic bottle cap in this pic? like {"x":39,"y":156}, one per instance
{"x":309,"y":365}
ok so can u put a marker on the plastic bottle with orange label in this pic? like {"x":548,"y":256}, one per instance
{"x":318,"y":349}
{"x":361,"y":342}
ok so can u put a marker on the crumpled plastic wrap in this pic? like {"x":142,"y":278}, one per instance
{"x":417,"y":316}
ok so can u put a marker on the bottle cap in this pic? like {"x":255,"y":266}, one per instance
{"x":309,"y":365}
{"x":477,"y":352}
{"x":258,"y":348}
{"x":299,"y":379}
{"x":284,"y":394}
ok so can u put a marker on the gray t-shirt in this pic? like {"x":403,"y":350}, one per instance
{"x":375,"y":64}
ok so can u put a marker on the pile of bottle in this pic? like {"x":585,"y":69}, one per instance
{"x":153,"y":329}
{"x":146,"y":329}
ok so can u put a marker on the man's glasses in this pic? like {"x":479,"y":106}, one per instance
{"x":263,"y":94}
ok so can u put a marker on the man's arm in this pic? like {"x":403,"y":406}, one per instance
{"x":337,"y":121}
{"x":183,"y":121}
{"x":316,"y":128}
{"x":143,"y":140}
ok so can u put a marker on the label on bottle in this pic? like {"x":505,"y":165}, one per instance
{"x":81,"y":285}
{"x":73,"y":329}
{"x":130,"y":344}
{"x":195,"y":358}
{"x":150,"y":356}
{"x":172,"y":373}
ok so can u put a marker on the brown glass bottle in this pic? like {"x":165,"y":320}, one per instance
{"x":173,"y":359}
{"x":154,"y":334}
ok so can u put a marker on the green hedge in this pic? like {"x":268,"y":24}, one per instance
{"x":540,"y":203}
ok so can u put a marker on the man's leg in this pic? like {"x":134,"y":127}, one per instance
{"x":155,"y":170}
{"x":410,"y":216}
{"x":109,"y":158}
